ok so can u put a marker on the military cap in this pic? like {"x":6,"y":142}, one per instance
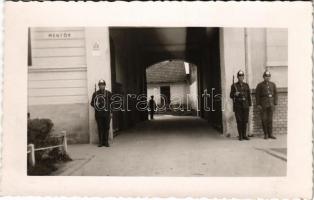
{"x":266,"y":73}
{"x":101,"y":82}
{"x":240,"y":73}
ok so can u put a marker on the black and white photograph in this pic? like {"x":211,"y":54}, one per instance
{"x":175,"y":101}
{"x":157,"y":99}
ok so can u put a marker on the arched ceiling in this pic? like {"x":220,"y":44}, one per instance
{"x":167,"y":71}
{"x":159,"y":44}
{"x":156,"y":44}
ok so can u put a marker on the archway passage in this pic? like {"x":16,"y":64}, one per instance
{"x":134,"y":49}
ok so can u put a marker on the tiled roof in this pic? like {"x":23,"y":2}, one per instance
{"x":168,"y":71}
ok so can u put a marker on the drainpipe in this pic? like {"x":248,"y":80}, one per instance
{"x":246,"y":55}
{"x":248,"y":76}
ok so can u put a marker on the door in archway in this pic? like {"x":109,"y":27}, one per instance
{"x":165,"y":93}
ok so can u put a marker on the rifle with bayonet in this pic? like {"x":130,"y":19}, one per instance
{"x":235,"y":87}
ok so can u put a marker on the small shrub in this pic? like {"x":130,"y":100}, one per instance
{"x":38,"y":130}
{"x":39,"y":134}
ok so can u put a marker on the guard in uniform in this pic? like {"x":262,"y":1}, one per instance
{"x":266,"y":100}
{"x":101,"y":103}
{"x":241,"y":95}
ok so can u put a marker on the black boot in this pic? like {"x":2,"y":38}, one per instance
{"x":271,"y":136}
{"x":244,"y":132}
{"x":265,"y":131}
{"x":100,"y":142}
{"x":246,"y":138}
{"x":107,"y":144}
{"x":239,"y":131}
{"x":270,"y":133}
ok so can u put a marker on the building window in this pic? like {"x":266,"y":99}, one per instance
{"x":277,"y":47}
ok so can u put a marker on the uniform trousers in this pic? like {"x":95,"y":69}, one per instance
{"x":267,"y":120}
{"x":103,"y":124}
{"x":242,"y":115}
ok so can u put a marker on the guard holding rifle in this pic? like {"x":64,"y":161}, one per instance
{"x":240,"y":93}
{"x":101,"y":103}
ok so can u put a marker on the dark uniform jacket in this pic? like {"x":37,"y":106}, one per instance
{"x":101,"y":102}
{"x":244,"y":98}
{"x":266,"y":94}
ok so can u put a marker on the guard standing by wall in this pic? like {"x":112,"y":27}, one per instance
{"x":152,"y":107}
{"x":266,"y":100}
{"x":101,"y":102}
{"x":241,"y":95}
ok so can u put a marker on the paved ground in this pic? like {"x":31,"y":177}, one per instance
{"x":178,"y":146}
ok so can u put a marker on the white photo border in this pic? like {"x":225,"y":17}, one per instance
{"x":296,"y":16}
